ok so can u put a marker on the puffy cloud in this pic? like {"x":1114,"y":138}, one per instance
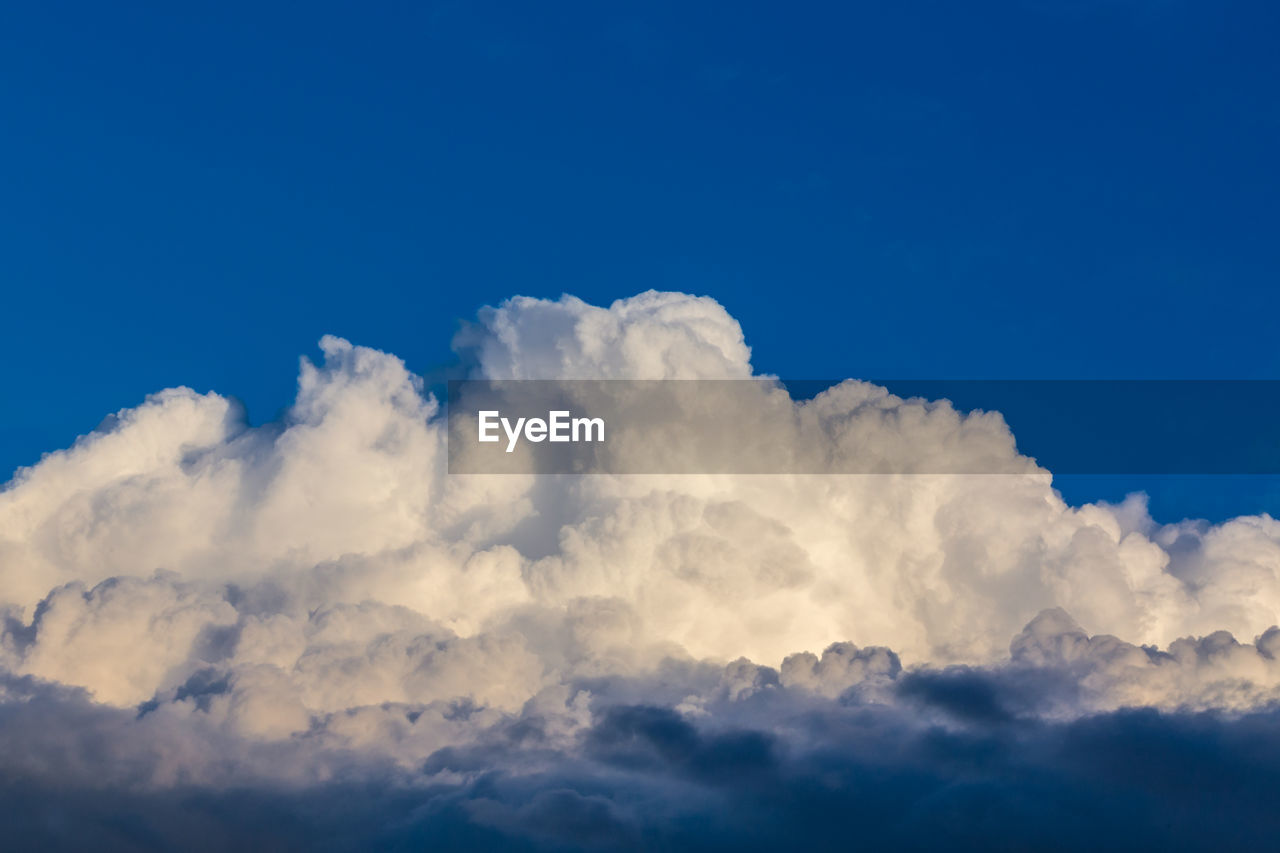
{"x":121,"y":640}
{"x":650,"y":336}
{"x":842,"y":666}
{"x":315,"y":611}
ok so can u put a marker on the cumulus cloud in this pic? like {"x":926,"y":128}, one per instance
{"x":314,"y":616}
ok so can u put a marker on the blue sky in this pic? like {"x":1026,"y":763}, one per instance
{"x":1044,"y":188}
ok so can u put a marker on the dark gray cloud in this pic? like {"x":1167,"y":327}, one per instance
{"x":953,"y":757}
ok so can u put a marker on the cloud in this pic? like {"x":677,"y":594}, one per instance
{"x":649,"y":336}
{"x":309,"y":632}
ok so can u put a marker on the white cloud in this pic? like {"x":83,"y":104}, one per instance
{"x":322,"y":585}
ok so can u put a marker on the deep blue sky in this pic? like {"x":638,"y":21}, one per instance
{"x":194,"y":193}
